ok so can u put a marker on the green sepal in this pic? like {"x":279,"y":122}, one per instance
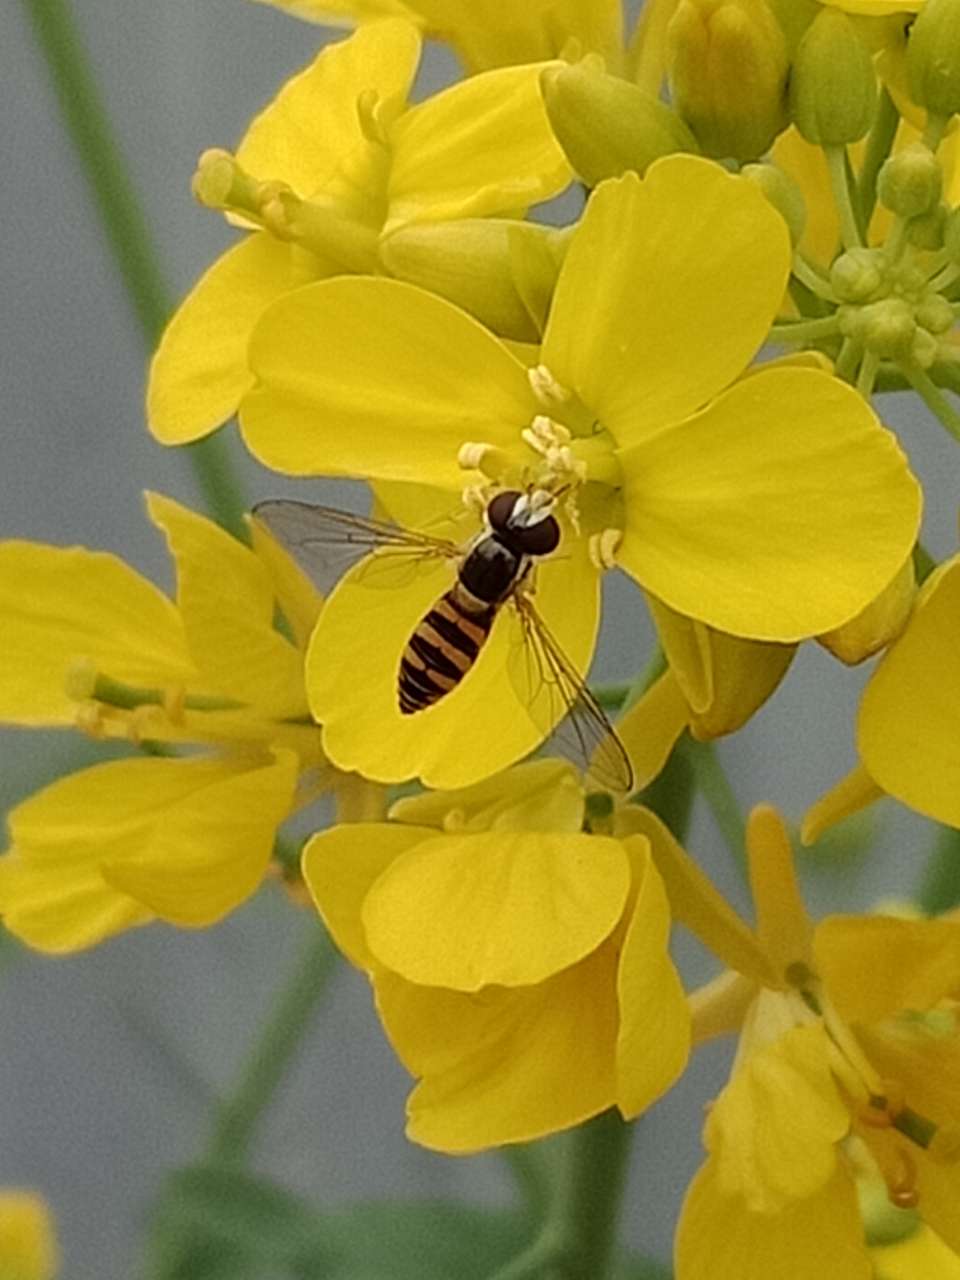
{"x":933,"y":57}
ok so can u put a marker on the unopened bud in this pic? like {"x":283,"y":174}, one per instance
{"x":858,"y":275}
{"x":794,"y":17}
{"x":727,"y":64}
{"x":951,"y":236}
{"x":933,"y":57}
{"x":606,"y":125}
{"x":910,"y":182}
{"x":934,"y":313}
{"x":878,"y":624}
{"x":783,"y":193}
{"x":888,"y":328}
{"x":502,"y":271}
{"x":833,"y":87}
{"x":924,"y":349}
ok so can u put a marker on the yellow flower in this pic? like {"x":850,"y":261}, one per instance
{"x":921,"y":1256}
{"x":94,"y":645}
{"x":28,"y":1247}
{"x":490,"y":33}
{"x":731,"y":499}
{"x":875,"y":8}
{"x":519,"y":964}
{"x":908,"y":730}
{"x":334,"y":161}
{"x":847,"y":1068}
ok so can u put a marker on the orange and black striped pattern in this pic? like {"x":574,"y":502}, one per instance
{"x":442,"y":650}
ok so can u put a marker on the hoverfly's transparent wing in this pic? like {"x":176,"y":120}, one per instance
{"x":558,"y":699}
{"x":326,"y":543}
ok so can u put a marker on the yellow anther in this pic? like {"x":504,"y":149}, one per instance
{"x":454,"y":820}
{"x":546,"y":388}
{"x":471,"y":455}
{"x":602,"y":548}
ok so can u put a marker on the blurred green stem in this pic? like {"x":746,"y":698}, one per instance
{"x":940,"y":889}
{"x":124,"y":224}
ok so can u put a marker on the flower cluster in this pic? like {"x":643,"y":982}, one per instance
{"x":678,"y":385}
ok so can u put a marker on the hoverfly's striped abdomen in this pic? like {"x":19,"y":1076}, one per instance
{"x":443,"y":648}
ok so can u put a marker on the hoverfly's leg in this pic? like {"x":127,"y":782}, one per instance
{"x":476,"y":499}
{"x":602,"y":548}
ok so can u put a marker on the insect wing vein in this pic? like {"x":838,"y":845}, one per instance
{"x":557,"y":698}
{"x":326,"y":543}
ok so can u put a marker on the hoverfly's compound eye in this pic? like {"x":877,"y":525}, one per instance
{"x":537,"y":539}
{"x":500,"y":509}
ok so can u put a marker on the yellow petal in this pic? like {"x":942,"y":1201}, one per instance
{"x":331,"y":402}
{"x":341,"y":12}
{"x":650,"y":729}
{"x":312,"y":129}
{"x":695,"y":902}
{"x":52,"y":890}
{"x":912,"y":964}
{"x":505,"y":1065}
{"x":476,"y":730}
{"x":199,"y":373}
{"x":686,"y":643}
{"x":299,"y":600}
{"x":227,"y":604}
{"x":922,"y":1256}
{"x":879,"y":623}
{"x":210,"y":851}
{"x":773,"y":1130}
{"x":845,"y":798}
{"x":28,"y":1246}
{"x":506,"y":908}
{"x":654,"y":1039}
{"x":543,"y":795}
{"x":816,"y":1237}
{"x":499,"y":33}
{"x":910,"y":714}
{"x":482,"y":147}
{"x":63,"y":605}
{"x":777,"y":513}
{"x":783,"y":926}
{"x":676,"y":240}
{"x":341,"y":865}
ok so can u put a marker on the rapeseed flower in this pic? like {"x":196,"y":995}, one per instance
{"x":908,"y":727}
{"x":93,"y":645}
{"x":490,"y":33}
{"x":336,"y":159}
{"x":836,"y":1079}
{"x":732,"y":500}
{"x":519,"y":963}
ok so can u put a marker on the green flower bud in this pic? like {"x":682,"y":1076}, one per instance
{"x":883,"y":1222}
{"x":501,"y":271}
{"x":783,"y":193}
{"x":794,"y":17}
{"x":933,"y":57}
{"x":924,"y":349}
{"x":833,"y":86}
{"x":607,"y":125}
{"x":727,"y":65}
{"x":926,"y":231}
{"x":888,"y":328}
{"x":858,"y":275}
{"x":935,"y":313}
{"x":910,"y":182}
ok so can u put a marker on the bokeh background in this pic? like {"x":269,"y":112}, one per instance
{"x":111,"y":1061}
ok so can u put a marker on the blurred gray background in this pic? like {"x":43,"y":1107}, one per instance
{"x":110,"y":1060}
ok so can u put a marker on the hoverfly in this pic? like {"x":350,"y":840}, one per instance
{"x":493,"y":571}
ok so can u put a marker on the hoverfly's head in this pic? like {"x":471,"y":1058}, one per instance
{"x":525,"y":521}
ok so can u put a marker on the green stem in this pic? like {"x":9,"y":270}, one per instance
{"x":868,"y":373}
{"x":843,"y":196}
{"x":923,"y":563}
{"x":807,"y":274}
{"x":124,"y":224}
{"x":848,"y":358}
{"x":805,"y":330}
{"x":934,"y":399}
{"x":879,"y":142}
{"x":714,"y":785}
{"x":940,"y":888}
{"x":578,"y":1237}
{"x":275,"y":1049}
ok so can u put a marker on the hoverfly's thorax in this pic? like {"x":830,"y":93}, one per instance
{"x":491,"y":569}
